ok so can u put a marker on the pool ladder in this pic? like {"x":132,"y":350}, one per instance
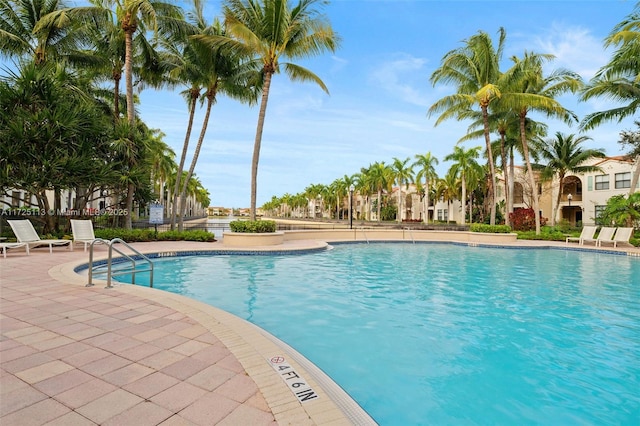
{"x":410,"y":234}
{"x":132,"y":269}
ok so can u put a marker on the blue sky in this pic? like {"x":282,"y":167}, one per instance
{"x":380,"y":92}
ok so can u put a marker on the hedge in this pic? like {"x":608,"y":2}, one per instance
{"x":490,"y":229}
{"x":253,"y":226}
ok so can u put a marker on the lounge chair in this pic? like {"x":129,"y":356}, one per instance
{"x":623,"y":235}
{"x":25,"y":233}
{"x":5,"y":246}
{"x":606,"y":234}
{"x":587,"y":233}
{"x":82,"y":231}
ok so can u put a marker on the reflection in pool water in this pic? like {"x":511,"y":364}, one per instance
{"x":446,"y":334}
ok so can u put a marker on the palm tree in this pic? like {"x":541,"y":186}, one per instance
{"x":348,"y":183}
{"x":43,"y":30}
{"x":271,"y":31}
{"x":564,"y":155}
{"x":475,"y":70}
{"x":149,"y":14}
{"x":465,"y":163}
{"x":427,"y":171}
{"x":402,"y":174}
{"x":619,"y":80}
{"x":217,"y":72}
{"x":448,"y":189}
{"x":529,"y":90}
{"x":380,"y":178}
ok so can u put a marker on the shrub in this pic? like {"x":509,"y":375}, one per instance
{"x":496,"y":229}
{"x":143,"y":235}
{"x":546,"y":234}
{"x":253,"y":226}
{"x":192,"y":235}
{"x":525,"y":220}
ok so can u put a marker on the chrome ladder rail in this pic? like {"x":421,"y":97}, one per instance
{"x":365,"y":234}
{"x":132,"y":269}
{"x":411,"y":235}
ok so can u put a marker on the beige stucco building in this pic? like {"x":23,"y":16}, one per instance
{"x":584,"y":196}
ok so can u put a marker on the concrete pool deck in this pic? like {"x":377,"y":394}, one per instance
{"x":76,"y":355}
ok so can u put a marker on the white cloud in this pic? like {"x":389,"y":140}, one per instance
{"x":394,"y":76}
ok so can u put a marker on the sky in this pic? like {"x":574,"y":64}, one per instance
{"x":380,"y":92}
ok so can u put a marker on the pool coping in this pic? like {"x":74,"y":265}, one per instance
{"x":253,"y":346}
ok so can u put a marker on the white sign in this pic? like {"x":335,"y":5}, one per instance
{"x":299,"y":386}
{"x":156,"y":214}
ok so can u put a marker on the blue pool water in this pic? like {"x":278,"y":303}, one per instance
{"x":446,"y":334}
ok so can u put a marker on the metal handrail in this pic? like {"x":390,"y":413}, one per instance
{"x":365,"y":234}
{"x":410,"y":234}
{"x":133,"y":269}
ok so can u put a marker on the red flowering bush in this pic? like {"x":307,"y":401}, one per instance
{"x":525,"y":220}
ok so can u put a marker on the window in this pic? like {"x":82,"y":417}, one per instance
{"x":439,"y":215}
{"x":446,"y":215}
{"x":598,"y":213}
{"x":15,"y":198}
{"x":602,"y":182}
{"x":623,"y":180}
{"x":518,"y":193}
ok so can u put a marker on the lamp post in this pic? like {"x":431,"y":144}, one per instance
{"x":569,"y":197}
{"x":350,"y":206}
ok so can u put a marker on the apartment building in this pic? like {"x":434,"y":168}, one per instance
{"x":584,"y":196}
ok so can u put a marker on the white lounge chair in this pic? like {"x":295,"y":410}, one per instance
{"x":623,"y":235}
{"x":25,"y":233}
{"x":606,"y":234}
{"x":5,"y":246}
{"x":82,"y":231}
{"x":587,"y":233}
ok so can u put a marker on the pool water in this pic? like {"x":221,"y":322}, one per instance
{"x":443,"y":333}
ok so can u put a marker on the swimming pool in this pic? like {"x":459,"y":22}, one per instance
{"x":443,"y":333}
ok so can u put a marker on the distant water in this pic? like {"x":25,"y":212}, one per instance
{"x":219,"y":225}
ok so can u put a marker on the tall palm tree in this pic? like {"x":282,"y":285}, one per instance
{"x":464,"y":164}
{"x":564,"y":155}
{"x":154,"y":15}
{"x":380,"y":178}
{"x":530,"y":90}
{"x":448,"y":188}
{"x":349,"y":184}
{"x":475,"y":69}
{"x":271,"y":31}
{"x":43,"y":30}
{"x":619,"y":80}
{"x":403,"y":175}
{"x":217,"y":72}
{"x":427,"y":171}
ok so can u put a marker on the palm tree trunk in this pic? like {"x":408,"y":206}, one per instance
{"x":257,"y":142}
{"x":492,"y":171}
{"x":464,"y":199}
{"x":128,"y":77}
{"x":399,"y":215}
{"x":131,"y":117}
{"x":194,"y":160}
{"x":426,"y":197}
{"x":635,"y":177}
{"x":532,"y":180}
{"x":511,"y":181}
{"x":558,"y":198}
{"x":507,"y":192}
{"x":185,"y":146}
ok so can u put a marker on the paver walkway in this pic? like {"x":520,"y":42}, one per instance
{"x":72,"y":355}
